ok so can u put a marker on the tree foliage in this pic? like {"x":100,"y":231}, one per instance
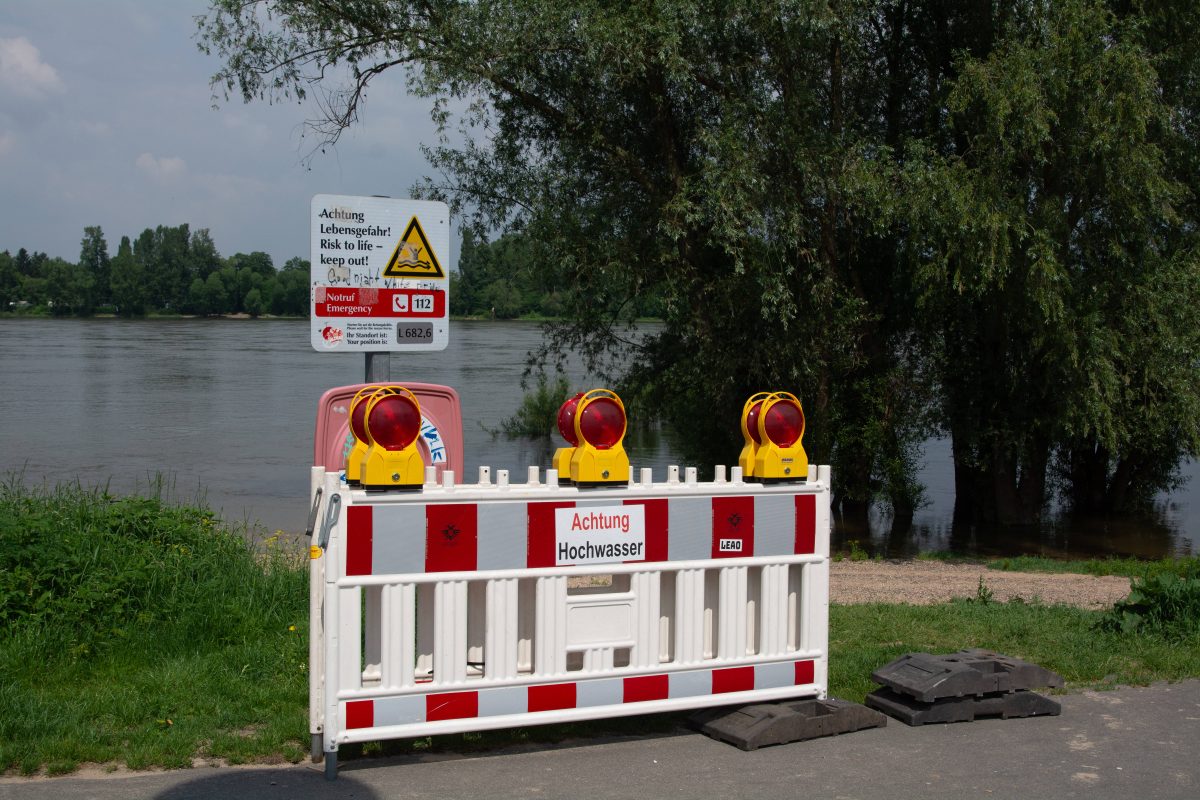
{"x":508,"y":278}
{"x":1056,"y":276}
{"x":974,"y":217}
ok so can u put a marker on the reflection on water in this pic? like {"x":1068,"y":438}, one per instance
{"x":1061,"y":536}
{"x":1171,"y":528}
{"x":225,"y":410}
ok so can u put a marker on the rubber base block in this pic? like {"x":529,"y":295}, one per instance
{"x":928,"y":677}
{"x":751,"y":727}
{"x":961,"y":709}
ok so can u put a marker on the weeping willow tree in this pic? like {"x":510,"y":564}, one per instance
{"x":1056,"y":268}
{"x":917,"y":215}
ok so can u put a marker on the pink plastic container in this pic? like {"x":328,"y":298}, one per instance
{"x":440,"y":441}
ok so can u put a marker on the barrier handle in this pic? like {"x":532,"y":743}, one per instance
{"x":312,"y":515}
{"x":331,"y":516}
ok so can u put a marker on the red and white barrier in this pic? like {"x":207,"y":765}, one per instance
{"x":493,"y":605}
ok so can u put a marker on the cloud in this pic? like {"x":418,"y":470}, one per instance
{"x":96,"y":128}
{"x":7,"y":142}
{"x":255,"y":132}
{"x":22,"y":71}
{"x":231,"y":188}
{"x":175,"y":175}
{"x":162,"y":168}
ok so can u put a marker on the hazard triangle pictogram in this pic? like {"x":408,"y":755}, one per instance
{"x":413,"y":257}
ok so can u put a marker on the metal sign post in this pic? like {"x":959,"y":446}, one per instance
{"x":378,"y":368}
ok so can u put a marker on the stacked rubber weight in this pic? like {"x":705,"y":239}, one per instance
{"x":920,"y":688}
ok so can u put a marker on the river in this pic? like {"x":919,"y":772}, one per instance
{"x":223,"y":411}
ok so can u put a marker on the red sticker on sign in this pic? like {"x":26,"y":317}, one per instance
{"x":451,"y":537}
{"x":733,"y":527}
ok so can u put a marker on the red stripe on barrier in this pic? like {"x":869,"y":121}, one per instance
{"x":359,"y":527}
{"x":540,"y":534}
{"x":806,"y":523}
{"x":646,"y":687}
{"x":657,"y":514}
{"x":806,"y":672}
{"x":734,"y":679}
{"x":360,"y":714}
{"x":733,"y":527}
{"x":451,"y":537}
{"x":551,"y":697}
{"x":451,"y":705}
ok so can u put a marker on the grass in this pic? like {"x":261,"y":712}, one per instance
{"x":134,"y":631}
{"x":1184,"y":567}
{"x":1068,"y":640}
{"x":1188,"y":567}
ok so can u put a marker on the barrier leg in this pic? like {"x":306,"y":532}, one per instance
{"x":331,"y":766}
{"x":318,"y":751}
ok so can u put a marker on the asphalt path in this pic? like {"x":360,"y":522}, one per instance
{"x":1137,"y":742}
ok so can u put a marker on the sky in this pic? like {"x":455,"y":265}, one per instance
{"x":107,"y":118}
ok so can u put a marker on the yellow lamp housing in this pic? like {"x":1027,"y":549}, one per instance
{"x":393,"y":423}
{"x":750,"y":413}
{"x":562,"y":463}
{"x":566,"y":427}
{"x":600,"y":424}
{"x":359,"y":453}
{"x":780,"y":456}
{"x":358,"y":417}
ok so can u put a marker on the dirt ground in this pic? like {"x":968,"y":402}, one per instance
{"x":924,"y":582}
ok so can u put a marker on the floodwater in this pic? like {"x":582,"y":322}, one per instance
{"x":1172,"y":528}
{"x":223,"y":411}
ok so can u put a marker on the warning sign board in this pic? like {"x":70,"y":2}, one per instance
{"x":379,"y":274}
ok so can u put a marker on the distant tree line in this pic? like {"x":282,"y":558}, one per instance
{"x":505,"y":279}
{"x":165,"y":269}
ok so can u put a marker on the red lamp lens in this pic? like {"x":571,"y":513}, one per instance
{"x":394,"y":422}
{"x":566,"y":419}
{"x":752,"y":421}
{"x":784,"y":423}
{"x":602,"y":423}
{"x":358,"y":419}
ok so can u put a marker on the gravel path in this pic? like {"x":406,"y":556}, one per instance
{"x":924,"y":582}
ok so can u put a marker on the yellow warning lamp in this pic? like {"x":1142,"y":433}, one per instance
{"x":392,"y":423}
{"x":566,"y":427}
{"x":599,"y":457}
{"x":780,"y":455}
{"x":358,"y":429}
{"x":750,"y":413}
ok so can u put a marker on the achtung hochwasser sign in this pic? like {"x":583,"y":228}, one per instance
{"x":599,"y":535}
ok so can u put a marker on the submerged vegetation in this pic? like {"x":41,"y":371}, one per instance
{"x":538,"y":413}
